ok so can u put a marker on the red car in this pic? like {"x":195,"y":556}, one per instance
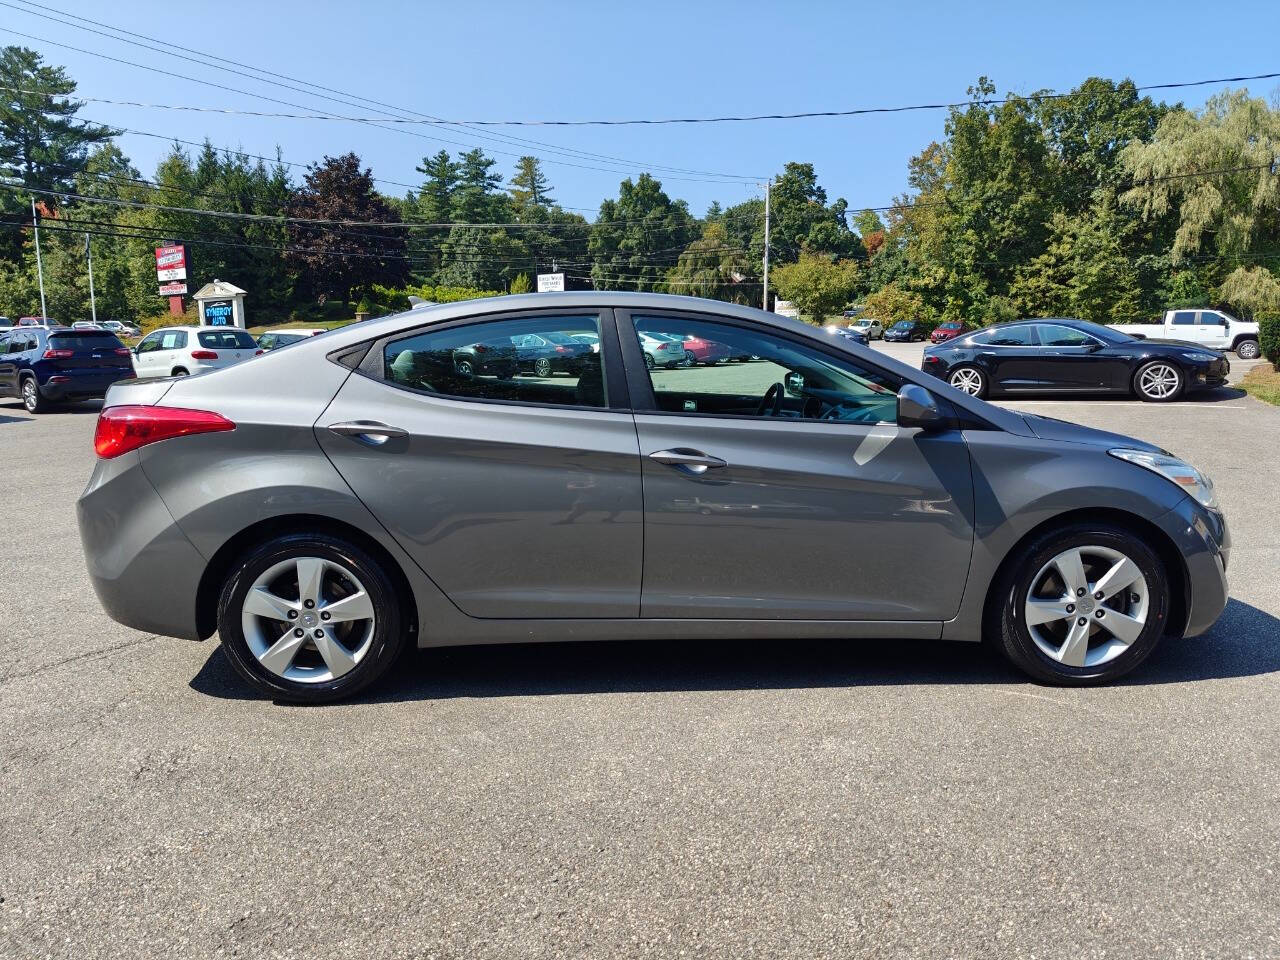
{"x":705,"y":351}
{"x":945,"y":331}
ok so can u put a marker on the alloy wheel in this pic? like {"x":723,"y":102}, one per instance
{"x":1159,"y":381}
{"x":967,"y":379}
{"x":308,"y":619}
{"x":1087,"y":606}
{"x":542,"y":367}
{"x":30,"y":399}
{"x":1247,"y":350}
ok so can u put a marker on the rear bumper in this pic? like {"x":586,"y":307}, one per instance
{"x":79,"y":387}
{"x":1204,"y":541}
{"x":143,"y":568}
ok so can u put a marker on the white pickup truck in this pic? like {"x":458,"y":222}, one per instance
{"x":1206,"y":328}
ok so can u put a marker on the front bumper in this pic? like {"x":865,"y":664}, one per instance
{"x":143,"y":568}
{"x":1204,"y":542}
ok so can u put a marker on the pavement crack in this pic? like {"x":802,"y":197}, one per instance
{"x":87,"y":655}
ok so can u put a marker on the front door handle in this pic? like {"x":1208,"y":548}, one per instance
{"x":371,"y":432}
{"x":687,"y":459}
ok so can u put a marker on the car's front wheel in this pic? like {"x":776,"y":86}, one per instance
{"x":1158,"y":382}
{"x":309,"y":618}
{"x":1081,"y":605}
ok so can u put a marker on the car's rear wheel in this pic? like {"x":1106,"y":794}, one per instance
{"x":1158,"y":382}
{"x":32,"y":399}
{"x":180,"y":372}
{"x":649,"y":361}
{"x":309,"y":618}
{"x":542,"y":367}
{"x":968,"y":379}
{"x":464,"y":368}
{"x":1081,"y":605}
{"x":1247,"y":350}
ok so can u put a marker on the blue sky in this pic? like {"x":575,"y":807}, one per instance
{"x":500,"y":60}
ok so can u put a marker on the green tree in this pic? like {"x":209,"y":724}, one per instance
{"x":1217,"y":170}
{"x":636,"y":237}
{"x":529,"y":185}
{"x":801,"y":218}
{"x":713,"y":267}
{"x":818,"y":286}
{"x":477,"y":198}
{"x":520,"y":283}
{"x":41,"y":141}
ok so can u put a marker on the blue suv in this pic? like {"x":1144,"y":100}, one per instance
{"x":45,"y":365}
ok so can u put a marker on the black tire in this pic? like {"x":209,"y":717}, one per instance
{"x":1152,"y":396}
{"x":649,"y":362}
{"x":542,"y":367}
{"x":388,"y":631}
{"x":1006,"y":625}
{"x":32,"y":399}
{"x":464,"y":368}
{"x":179,"y":372}
{"x":1247,"y":350}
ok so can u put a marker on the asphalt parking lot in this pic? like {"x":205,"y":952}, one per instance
{"x":640,"y":799}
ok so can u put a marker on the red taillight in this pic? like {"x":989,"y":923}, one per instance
{"x":562,"y":349}
{"x":59,"y":379}
{"x":52,"y":354}
{"x":258,"y":352}
{"x":124,"y":428}
{"x":204,"y":355}
{"x":932,"y":360}
{"x":123,"y":351}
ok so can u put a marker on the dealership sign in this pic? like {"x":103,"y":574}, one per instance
{"x":551,"y":283}
{"x":171,"y":263}
{"x":219,"y":313}
{"x":175,"y":289}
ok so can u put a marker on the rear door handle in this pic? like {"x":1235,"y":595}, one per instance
{"x":687,"y":460}
{"x":372,"y":432}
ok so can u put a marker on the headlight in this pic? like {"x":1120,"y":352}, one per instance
{"x":1199,"y":357}
{"x":1187,"y":477}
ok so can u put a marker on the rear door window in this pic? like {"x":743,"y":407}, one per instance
{"x":1185,"y":318}
{"x":513,"y":360}
{"x":173,"y":340}
{"x":1020,"y":335}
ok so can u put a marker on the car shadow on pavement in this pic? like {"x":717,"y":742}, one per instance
{"x":82,"y":406}
{"x":1245,"y":642}
{"x":1214,"y":395}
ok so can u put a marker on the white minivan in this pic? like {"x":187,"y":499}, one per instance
{"x":183,"y":351}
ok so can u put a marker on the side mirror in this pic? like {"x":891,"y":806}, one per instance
{"x":793,"y":384}
{"x":918,"y":408}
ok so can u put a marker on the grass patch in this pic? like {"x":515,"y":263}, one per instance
{"x":1263,"y":382}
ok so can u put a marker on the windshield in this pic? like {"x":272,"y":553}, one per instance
{"x":904,"y":325}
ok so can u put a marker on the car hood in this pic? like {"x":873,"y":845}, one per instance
{"x":1182,"y":344}
{"x":1047,"y":428}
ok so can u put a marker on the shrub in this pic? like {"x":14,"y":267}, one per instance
{"x":891,"y":303}
{"x":1269,"y":334}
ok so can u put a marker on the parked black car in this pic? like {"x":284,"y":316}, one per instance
{"x":45,"y":367}
{"x":545,"y":354}
{"x":1072,"y":356}
{"x":907,"y":331}
{"x":489,"y":358}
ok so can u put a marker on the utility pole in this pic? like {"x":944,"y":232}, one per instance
{"x":35,"y":225}
{"x":768,"y":188}
{"x":93,"y":303}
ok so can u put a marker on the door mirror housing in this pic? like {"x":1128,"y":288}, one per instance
{"x":918,"y":408}
{"x":793,"y":384}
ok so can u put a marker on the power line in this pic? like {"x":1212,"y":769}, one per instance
{"x":169,"y":47}
{"x":618,"y":165}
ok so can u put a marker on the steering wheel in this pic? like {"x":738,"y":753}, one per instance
{"x":771,"y":399}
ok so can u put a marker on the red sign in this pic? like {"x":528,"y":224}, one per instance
{"x":175,"y":289}
{"x":171,"y":263}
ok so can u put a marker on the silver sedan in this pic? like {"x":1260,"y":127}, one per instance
{"x":409,"y":481}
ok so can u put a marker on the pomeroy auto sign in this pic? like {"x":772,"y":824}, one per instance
{"x":171,"y":263}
